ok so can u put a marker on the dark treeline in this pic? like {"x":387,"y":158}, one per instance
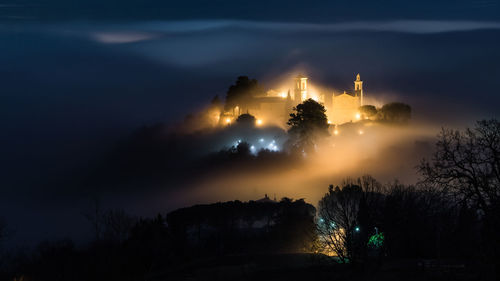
{"x":412,"y":222}
{"x":125,"y":248}
{"x":452,"y":213}
{"x":444,"y":227}
{"x":236,"y":227}
{"x":380,"y":224}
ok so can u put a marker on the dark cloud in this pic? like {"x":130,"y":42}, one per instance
{"x":274,"y":10}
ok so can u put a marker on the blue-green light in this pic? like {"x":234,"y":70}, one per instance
{"x":376,"y":241}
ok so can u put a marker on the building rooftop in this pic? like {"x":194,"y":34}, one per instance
{"x":266,"y":199}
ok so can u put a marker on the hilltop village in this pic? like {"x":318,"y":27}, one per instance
{"x":277,"y":105}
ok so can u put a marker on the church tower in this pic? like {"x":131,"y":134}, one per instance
{"x":300,"y":91}
{"x":358,"y":89}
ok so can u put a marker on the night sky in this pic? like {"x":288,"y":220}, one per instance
{"x":77,"y":76}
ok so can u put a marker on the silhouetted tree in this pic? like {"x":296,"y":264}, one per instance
{"x":117,"y":225}
{"x":216,"y":102}
{"x":368,"y":110}
{"x":242,"y":92}
{"x":395,"y":112}
{"x":414,"y":221}
{"x":338,"y":221}
{"x":466,"y":165}
{"x":246,"y":120}
{"x":307,"y":124}
{"x":237,"y":227}
{"x":96,"y":218}
{"x":243,"y":149}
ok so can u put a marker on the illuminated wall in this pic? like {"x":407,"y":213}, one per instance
{"x":276,"y":106}
{"x":344,"y":109}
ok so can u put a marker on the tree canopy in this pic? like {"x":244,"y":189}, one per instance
{"x":307,"y":124}
{"x":395,"y":112}
{"x":467,"y":163}
{"x":246,"y":119}
{"x":368,"y":110}
{"x":242,"y":92}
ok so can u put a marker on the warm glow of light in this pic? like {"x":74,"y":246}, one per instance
{"x":336,"y":132}
{"x":283,"y":95}
{"x":228,"y":120}
{"x":329,"y":122}
{"x":361,"y":132}
{"x":358,"y":116}
{"x":259,"y":122}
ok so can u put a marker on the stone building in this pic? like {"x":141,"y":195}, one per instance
{"x":276,"y":106}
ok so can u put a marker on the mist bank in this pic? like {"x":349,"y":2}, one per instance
{"x":68,"y":99}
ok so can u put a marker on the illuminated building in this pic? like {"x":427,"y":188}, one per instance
{"x":276,"y":106}
{"x":344,"y":107}
{"x":300,"y":90}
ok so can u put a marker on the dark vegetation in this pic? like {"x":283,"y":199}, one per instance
{"x":246,"y":120}
{"x":394,"y":112}
{"x":443,"y":228}
{"x":265,"y":226}
{"x":243,"y":92}
{"x":426,"y":236}
{"x":307,"y":124}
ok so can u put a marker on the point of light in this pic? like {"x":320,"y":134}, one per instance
{"x":336,"y":132}
{"x":252,"y":147}
{"x":361,"y":132}
{"x":357,"y":229}
{"x":358,"y":116}
{"x":329,"y":122}
{"x":283,"y":95}
{"x":259,"y":122}
{"x":261,"y":140}
{"x":228,"y":120}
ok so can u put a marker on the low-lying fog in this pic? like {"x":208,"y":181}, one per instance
{"x":387,"y":152}
{"x":73,"y":93}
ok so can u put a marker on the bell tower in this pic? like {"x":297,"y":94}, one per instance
{"x":358,"y":89}
{"x":300,"y":89}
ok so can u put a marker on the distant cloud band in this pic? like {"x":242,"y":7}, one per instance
{"x":146,"y":31}
{"x":409,"y":26}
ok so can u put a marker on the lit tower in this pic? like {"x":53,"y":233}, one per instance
{"x":300,"y":92}
{"x":358,"y":89}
